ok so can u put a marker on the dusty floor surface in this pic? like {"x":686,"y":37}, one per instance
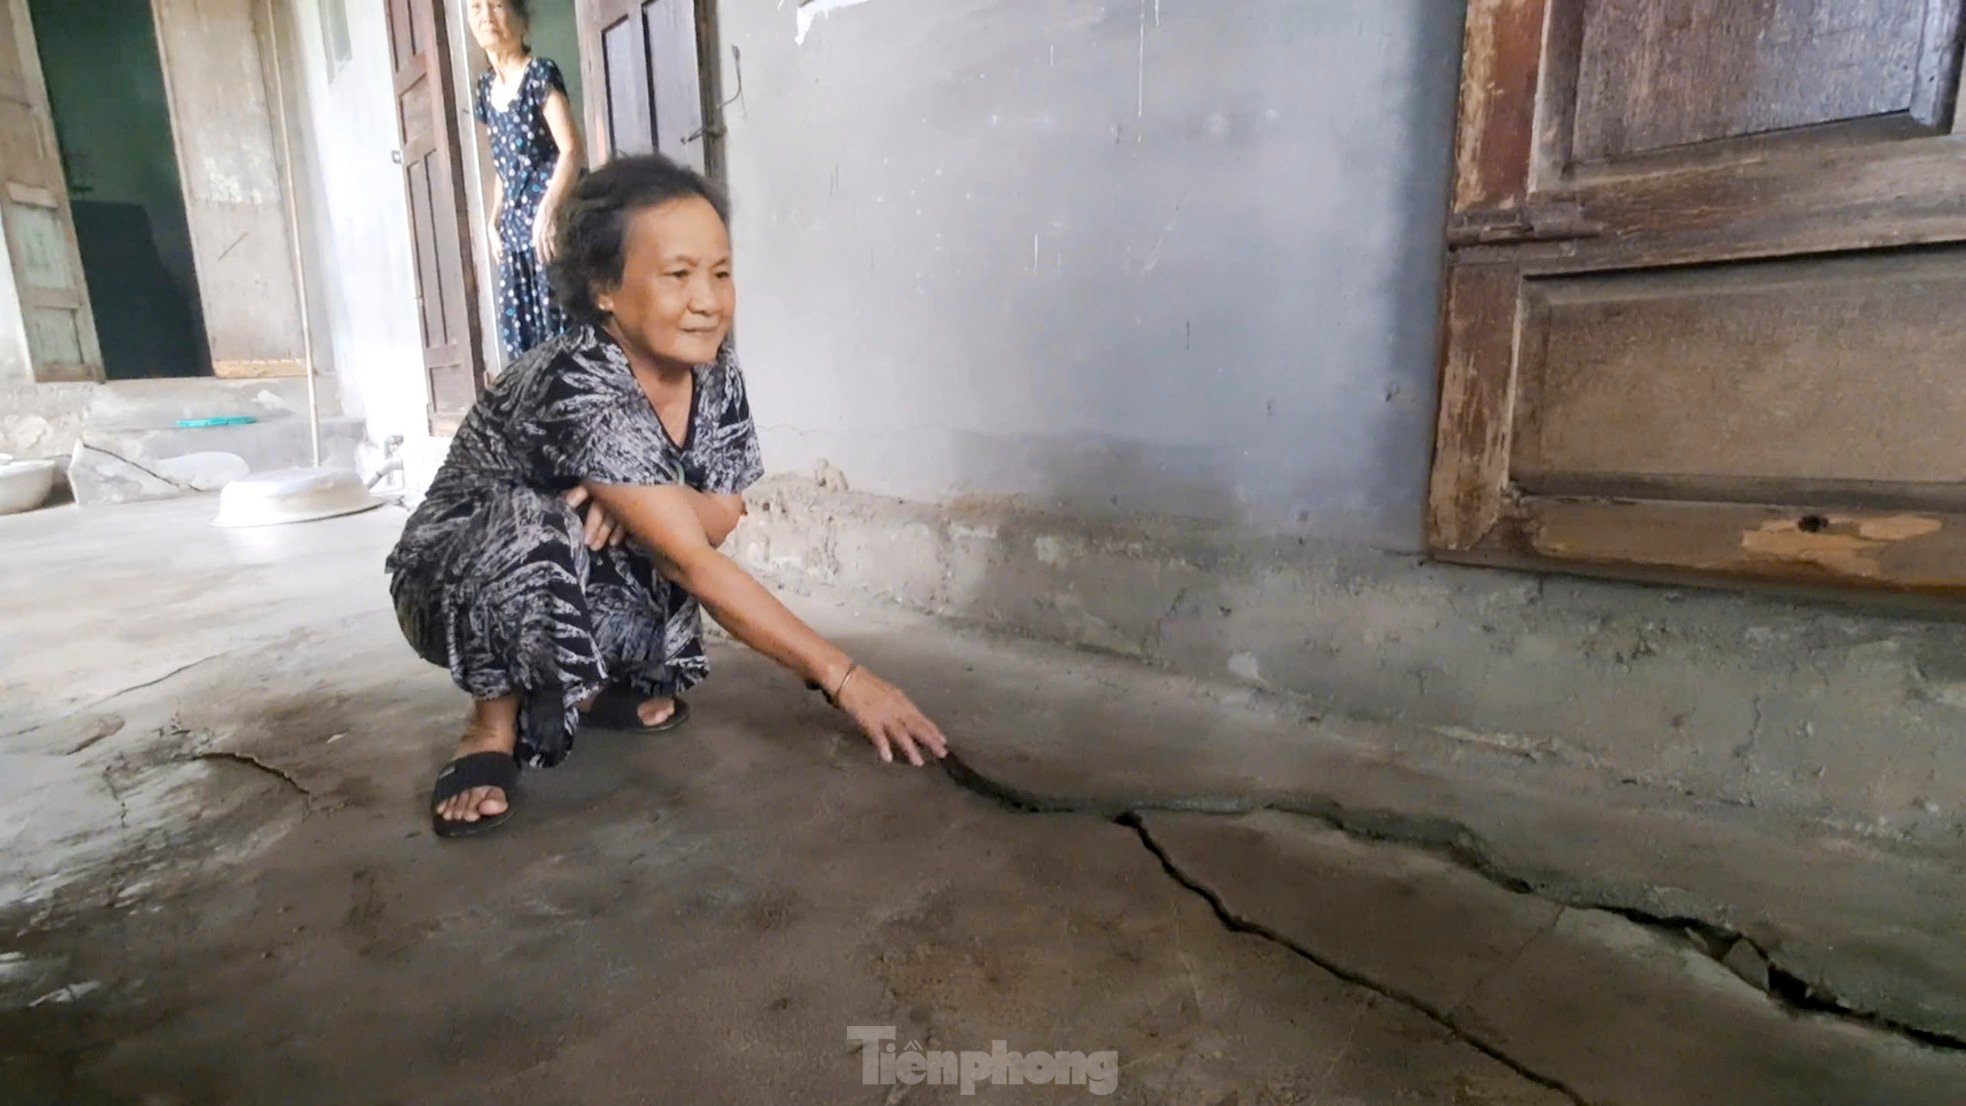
{"x":217,"y":883}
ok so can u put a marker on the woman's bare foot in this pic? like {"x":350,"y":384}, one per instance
{"x":652,"y":712}
{"x":494,"y":728}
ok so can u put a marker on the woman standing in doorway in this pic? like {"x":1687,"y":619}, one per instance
{"x":535,"y":144}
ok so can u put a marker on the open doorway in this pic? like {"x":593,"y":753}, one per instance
{"x":556,"y":35}
{"x":435,"y":65}
{"x":112,"y":119}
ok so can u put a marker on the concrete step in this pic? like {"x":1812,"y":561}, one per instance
{"x":131,"y":447}
{"x":123,"y":404}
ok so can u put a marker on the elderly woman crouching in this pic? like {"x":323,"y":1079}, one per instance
{"x":560,"y":563}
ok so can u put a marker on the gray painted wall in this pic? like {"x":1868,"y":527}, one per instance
{"x":1175,"y":256}
{"x":1181,"y":258}
{"x":361,"y":262}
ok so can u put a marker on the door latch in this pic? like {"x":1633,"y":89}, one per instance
{"x":1534,"y":221}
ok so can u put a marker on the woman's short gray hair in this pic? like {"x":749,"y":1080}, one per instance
{"x":592,"y":230}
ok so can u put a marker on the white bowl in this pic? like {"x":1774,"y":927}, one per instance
{"x":292,"y":495}
{"x":24,"y":485}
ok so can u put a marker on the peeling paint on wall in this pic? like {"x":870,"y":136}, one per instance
{"x":811,"y":10}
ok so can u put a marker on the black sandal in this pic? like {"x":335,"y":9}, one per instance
{"x":465,"y":773}
{"x":619,"y":708}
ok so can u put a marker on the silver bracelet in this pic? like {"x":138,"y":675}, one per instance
{"x":834,"y":698}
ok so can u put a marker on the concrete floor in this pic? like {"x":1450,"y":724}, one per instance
{"x":217,"y":884}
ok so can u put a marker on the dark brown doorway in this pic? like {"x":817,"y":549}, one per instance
{"x":433,"y":179}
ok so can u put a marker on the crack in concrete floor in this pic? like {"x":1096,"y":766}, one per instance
{"x":367,"y":903}
{"x":147,"y":471}
{"x":227,"y":756}
{"x":1011,"y":799}
{"x":104,"y":700}
{"x":1239,"y":924}
{"x":1131,"y":817}
{"x":1788,"y":991}
{"x":1440,"y":837}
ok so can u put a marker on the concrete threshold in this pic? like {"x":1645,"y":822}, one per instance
{"x":1842,"y":714}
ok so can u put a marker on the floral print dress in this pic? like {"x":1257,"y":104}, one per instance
{"x":492,"y":578}
{"x":524,"y":153}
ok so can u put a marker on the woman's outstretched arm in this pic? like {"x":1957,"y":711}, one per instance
{"x":665,"y":521}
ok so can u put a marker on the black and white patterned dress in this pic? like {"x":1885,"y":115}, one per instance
{"x":491,"y":578}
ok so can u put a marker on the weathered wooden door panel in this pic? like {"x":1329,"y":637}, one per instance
{"x":217,"y":74}
{"x":1602,"y":119}
{"x":628,"y":98}
{"x":1841,"y":369}
{"x":1654,"y":77}
{"x":644,"y":58}
{"x":1671,"y":541}
{"x":1703,"y":291}
{"x":675,"y":78}
{"x":433,"y":181}
{"x":47,"y":330}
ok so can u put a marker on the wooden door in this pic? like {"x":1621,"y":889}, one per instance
{"x":218,"y":63}
{"x":644,"y":63}
{"x":47,"y":331}
{"x":433,"y":178}
{"x":1703,"y":311}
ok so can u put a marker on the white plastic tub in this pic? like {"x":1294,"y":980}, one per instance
{"x":292,"y":495}
{"x":24,"y":485}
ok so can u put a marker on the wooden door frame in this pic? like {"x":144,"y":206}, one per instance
{"x":449,"y":155}
{"x":1519,"y":216}
{"x":589,"y":16}
{"x":18,"y":296}
{"x":213,"y":258}
{"x":710,"y":80}
{"x":587,"y":19}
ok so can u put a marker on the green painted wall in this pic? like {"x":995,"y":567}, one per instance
{"x":113,"y":123}
{"x":555,"y":35}
{"x":107,"y":88}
